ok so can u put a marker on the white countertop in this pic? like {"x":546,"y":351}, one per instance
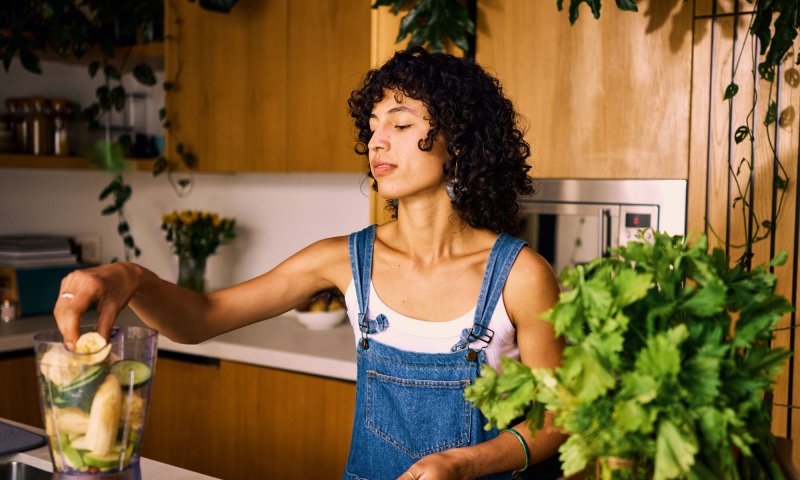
{"x":281,"y":342}
{"x":150,"y":469}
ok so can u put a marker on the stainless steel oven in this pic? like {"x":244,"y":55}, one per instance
{"x":574,"y":221}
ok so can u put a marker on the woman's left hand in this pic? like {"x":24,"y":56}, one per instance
{"x":447,"y":465}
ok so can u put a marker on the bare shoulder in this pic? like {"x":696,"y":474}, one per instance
{"x":330,"y":257}
{"x":531,"y":290}
{"x":531,"y":273}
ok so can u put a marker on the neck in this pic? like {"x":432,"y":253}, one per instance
{"x":431,"y":229}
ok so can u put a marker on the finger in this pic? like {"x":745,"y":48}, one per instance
{"x":68,"y":312}
{"x":106,"y":318}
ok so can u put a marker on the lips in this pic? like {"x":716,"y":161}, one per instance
{"x":382,"y":168}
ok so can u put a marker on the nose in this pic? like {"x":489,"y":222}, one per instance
{"x":378,"y":141}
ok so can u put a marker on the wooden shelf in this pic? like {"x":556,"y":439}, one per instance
{"x":54,"y":162}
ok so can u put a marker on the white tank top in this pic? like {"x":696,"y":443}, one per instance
{"x":406,"y":333}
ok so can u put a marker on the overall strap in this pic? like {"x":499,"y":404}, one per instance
{"x":360,"y":248}
{"x":501,"y":258}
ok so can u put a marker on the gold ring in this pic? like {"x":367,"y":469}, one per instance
{"x":68,"y":295}
{"x":412,"y":475}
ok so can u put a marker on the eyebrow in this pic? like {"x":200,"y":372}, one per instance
{"x":397,"y":109}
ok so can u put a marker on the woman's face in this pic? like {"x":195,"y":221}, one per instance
{"x":398,"y":124}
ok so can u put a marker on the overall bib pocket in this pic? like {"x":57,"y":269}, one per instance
{"x":397,"y":409}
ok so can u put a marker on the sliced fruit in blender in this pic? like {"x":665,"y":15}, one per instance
{"x":124,"y":369}
{"x":104,"y":416}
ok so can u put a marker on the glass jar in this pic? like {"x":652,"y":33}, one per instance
{"x":61,"y":137}
{"x":17,"y":112}
{"x":40,"y":127}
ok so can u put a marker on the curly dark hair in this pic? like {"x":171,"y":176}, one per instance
{"x":478,"y":124}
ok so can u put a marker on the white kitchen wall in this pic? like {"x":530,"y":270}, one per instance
{"x":277,"y":214}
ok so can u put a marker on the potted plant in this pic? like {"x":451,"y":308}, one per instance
{"x":668,"y":367}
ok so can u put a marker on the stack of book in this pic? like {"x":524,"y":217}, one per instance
{"x":21,"y":251}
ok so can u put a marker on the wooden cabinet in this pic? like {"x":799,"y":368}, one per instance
{"x":265,"y":87}
{"x":607,"y":98}
{"x":237,"y":421}
{"x":20,"y":398}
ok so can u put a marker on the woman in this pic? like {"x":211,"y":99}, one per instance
{"x":431,"y":296}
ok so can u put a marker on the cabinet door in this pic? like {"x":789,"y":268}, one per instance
{"x":265,"y":87}
{"x":237,"y":421}
{"x":20,"y":398}
{"x":329,"y":49}
{"x":605,"y":98}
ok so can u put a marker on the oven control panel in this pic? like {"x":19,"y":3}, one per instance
{"x":635,"y":218}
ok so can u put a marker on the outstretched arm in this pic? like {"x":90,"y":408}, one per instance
{"x":190,"y":317}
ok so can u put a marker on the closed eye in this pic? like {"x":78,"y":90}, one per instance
{"x":401,"y":127}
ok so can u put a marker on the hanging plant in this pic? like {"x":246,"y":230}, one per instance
{"x":430,"y":23}
{"x":71,"y":28}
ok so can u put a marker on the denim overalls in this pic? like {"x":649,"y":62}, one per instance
{"x":411,"y":404}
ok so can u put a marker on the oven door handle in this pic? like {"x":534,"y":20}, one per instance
{"x":604,"y":232}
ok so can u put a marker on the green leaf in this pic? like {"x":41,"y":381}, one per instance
{"x":741,"y":133}
{"x":766,"y":71}
{"x":632,"y":417}
{"x":772,"y":113}
{"x":597,"y":297}
{"x":93,"y":68}
{"x":675,"y":451}
{"x":779,"y":259}
{"x":109,"y":210}
{"x":630,"y":286}
{"x":30,"y":61}
{"x":627,"y":5}
{"x":8,"y":55}
{"x":117,"y":98}
{"x":111,"y":72}
{"x":731,"y":91}
{"x":709,"y":300}
{"x":661,"y":357}
{"x":574,"y":6}
{"x":639,"y":386}
{"x":143,"y":74}
{"x":160,"y":166}
{"x":586,"y":366}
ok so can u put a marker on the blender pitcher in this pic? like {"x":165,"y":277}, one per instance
{"x":94,"y":404}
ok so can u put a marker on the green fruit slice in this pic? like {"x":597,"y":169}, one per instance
{"x":105,"y":462}
{"x":71,"y":456}
{"x":123,"y":369}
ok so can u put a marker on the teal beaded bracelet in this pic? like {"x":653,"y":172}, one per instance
{"x":524,"y":447}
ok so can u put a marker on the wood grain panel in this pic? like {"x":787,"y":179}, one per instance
{"x":237,"y":421}
{"x":699,"y":144}
{"x":329,"y":53}
{"x":384,"y":27}
{"x":19,"y":400}
{"x":229,"y":105}
{"x":603,"y":99}
{"x":717,"y":181}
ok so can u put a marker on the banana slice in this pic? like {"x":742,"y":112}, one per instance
{"x":94,"y":347}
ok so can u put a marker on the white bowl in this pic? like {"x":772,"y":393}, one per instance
{"x":321,"y":320}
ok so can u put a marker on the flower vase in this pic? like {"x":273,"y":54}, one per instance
{"x":192,"y":273}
